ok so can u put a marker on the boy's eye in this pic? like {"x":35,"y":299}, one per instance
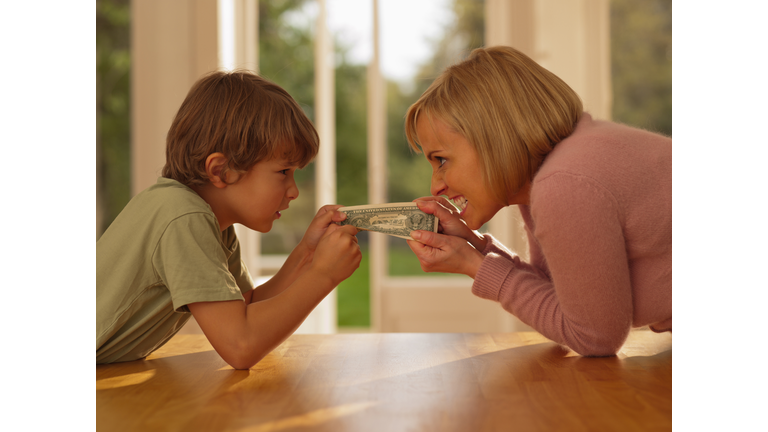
{"x":284,"y":172}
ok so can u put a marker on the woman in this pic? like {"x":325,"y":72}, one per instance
{"x":595,"y":196}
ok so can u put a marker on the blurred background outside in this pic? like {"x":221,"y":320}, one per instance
{"x":417,"y":43}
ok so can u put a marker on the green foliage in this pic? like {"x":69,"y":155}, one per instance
{"x":461,"y":37}
{"x":353,"y":296}
{"x":402,"y":260}
{"x":113,"y":64}
{"x":409,"y":174}
{"x":286,"y":56}
{"x":351,"y":132}
{"x":641,"y":63}
{"x":286,"y":53}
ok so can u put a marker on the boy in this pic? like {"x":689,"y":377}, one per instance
{"x":231,"y":154}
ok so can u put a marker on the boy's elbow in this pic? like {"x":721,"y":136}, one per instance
{"x":242,"y":363}
{"x":243,"y":356}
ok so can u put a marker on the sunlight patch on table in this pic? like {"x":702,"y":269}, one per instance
{"x":312,"y":418}
{"x":125,"y":380}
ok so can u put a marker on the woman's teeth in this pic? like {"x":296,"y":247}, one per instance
{"x":460,"y":203}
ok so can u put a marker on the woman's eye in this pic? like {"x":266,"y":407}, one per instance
{"x":441,"y":160}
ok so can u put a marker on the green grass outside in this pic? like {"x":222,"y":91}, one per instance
{"x":353,"y":295}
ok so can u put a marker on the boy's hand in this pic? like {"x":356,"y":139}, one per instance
{"x":338,"y":254}
{"x":320,"y":223}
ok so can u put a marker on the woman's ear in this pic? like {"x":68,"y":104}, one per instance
{"x":214,"y":167}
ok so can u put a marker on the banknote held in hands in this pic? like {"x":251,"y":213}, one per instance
{"x":395,"y":219}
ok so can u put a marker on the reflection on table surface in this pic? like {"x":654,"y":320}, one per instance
{"x":393,"y":382}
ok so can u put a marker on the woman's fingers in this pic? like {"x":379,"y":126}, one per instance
{"x":445,"y":253}
{"x":450,"y":221}
{"x":436,"y":199}
{"x":438,"y":209}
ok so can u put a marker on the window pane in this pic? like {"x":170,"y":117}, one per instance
{"x":286,"y":57}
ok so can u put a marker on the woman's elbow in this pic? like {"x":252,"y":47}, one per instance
{"x":605,"y":344}
{"x":599,"y":350}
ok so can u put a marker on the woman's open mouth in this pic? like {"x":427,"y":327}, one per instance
{"x":460,"y":202}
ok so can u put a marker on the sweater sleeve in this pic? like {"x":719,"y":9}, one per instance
{"x":585,"y":302}
{"x":493,"y":246}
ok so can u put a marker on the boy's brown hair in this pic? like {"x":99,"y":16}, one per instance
{"x":242,"y":115}
{"x":508,"y":107}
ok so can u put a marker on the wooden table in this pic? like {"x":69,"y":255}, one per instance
{"x":393,"y":382}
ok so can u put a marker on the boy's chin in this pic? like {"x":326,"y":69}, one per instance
{"x":263,"y":227}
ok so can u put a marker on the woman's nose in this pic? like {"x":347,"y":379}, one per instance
{"x":437,"y":187}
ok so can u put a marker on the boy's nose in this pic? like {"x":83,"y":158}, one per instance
{"x":293,"y":191}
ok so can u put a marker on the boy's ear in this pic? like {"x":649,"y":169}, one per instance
{"x":214,"y":165}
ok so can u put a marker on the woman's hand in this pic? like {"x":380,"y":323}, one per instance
{"x":445,"y":253}
{"x":450,"y":221}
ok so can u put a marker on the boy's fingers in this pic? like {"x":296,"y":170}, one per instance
{"x":325,"y":216}
{"x":331,"y":228}
{"x":350,"y":229}
{"x":338,"y":216}
{"x":328,"y":208}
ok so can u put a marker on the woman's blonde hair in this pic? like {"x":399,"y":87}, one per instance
{"x":242,"y":115}
{"x":509,"y":108}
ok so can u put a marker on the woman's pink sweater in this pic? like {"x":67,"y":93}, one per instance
{"x":599,"y":229}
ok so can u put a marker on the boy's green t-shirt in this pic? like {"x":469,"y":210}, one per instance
{"x":163,"y":251}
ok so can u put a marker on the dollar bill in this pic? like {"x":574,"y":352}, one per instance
{"x":395,"y":219}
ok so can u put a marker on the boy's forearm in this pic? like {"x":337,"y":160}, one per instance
{"x":296,"y":263}
{"x":243,"y":334}
{"x":271,"y":321}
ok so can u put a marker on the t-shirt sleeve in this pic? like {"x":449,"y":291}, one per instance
{"x":235,"y":262}
{"x":193,"y":263}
